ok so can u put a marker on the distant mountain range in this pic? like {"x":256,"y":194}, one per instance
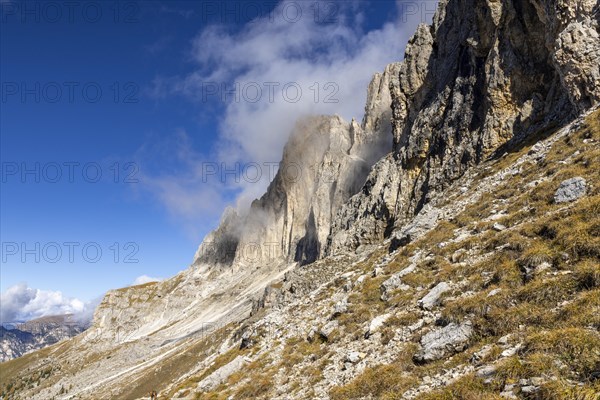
{"x":19,"y":338}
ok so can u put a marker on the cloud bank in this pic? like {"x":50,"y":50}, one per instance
{"x":23,"y":303}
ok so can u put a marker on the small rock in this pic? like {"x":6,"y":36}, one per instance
{"x":537,"y":381}
{"x":354,"y":357}
{"x":400,"y":240}
{"x":433,"y":297}
{"x":486,"y":372}
{"x":393,"y":283}
{"x":511,"y":351}
{"x":504,"y":340}
{"x":457,"y":256}
{"x":347,"y":286}
{"x":498,"y":227}
{"x":361,"y":279}
{"x":543,"y":267}
{"x":440,"y":342}
{"x":494,"y":292}
{"x":536,"y":148}
{"x":247,"y":340}
{"x":311,"y":334}
{"x":570,"y":190}
{"x":328,"y":329}
{"x":341,"y":307}
{"x":478,"y":356}
{"x":377,"y":271}
{"x":507,"y":392}
{"x":377,"y":323}
{"x":408,"y":270}
{"x":530,"y":389}
{"x":417,"y":325}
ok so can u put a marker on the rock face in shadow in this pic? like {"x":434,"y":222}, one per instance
{"x":485,"y":76}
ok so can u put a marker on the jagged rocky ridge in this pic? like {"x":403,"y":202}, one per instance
{"x":324,"y":163}
{"x":23,"y":338}
{"x":483,"y":78}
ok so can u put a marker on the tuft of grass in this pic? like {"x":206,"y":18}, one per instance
{"x":257,"y":387}
{"x":577,"y":348}
{"x":468,"y":387}
{"x":381,"y":382}
{"x":388,"y":381}
{"x":562,"y":389}
{"x":583,"y":311}
{"x":548,"y":292}
{"x":536,"y":253}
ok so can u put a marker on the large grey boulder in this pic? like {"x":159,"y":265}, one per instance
{"x":570,"y":190}
{"x":441,"y":342}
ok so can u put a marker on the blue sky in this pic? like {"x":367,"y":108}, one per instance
{"x":135,"y":92}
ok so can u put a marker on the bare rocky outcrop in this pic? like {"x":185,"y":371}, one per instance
{"x":485,"y":76}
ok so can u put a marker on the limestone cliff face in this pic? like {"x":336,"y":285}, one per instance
{"x":485,"y":74}
{"x":325,"y":162}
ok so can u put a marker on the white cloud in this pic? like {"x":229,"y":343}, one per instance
{"x":140,"y":280}
{"x":264,"y":53}
{"x":22,"y":303}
